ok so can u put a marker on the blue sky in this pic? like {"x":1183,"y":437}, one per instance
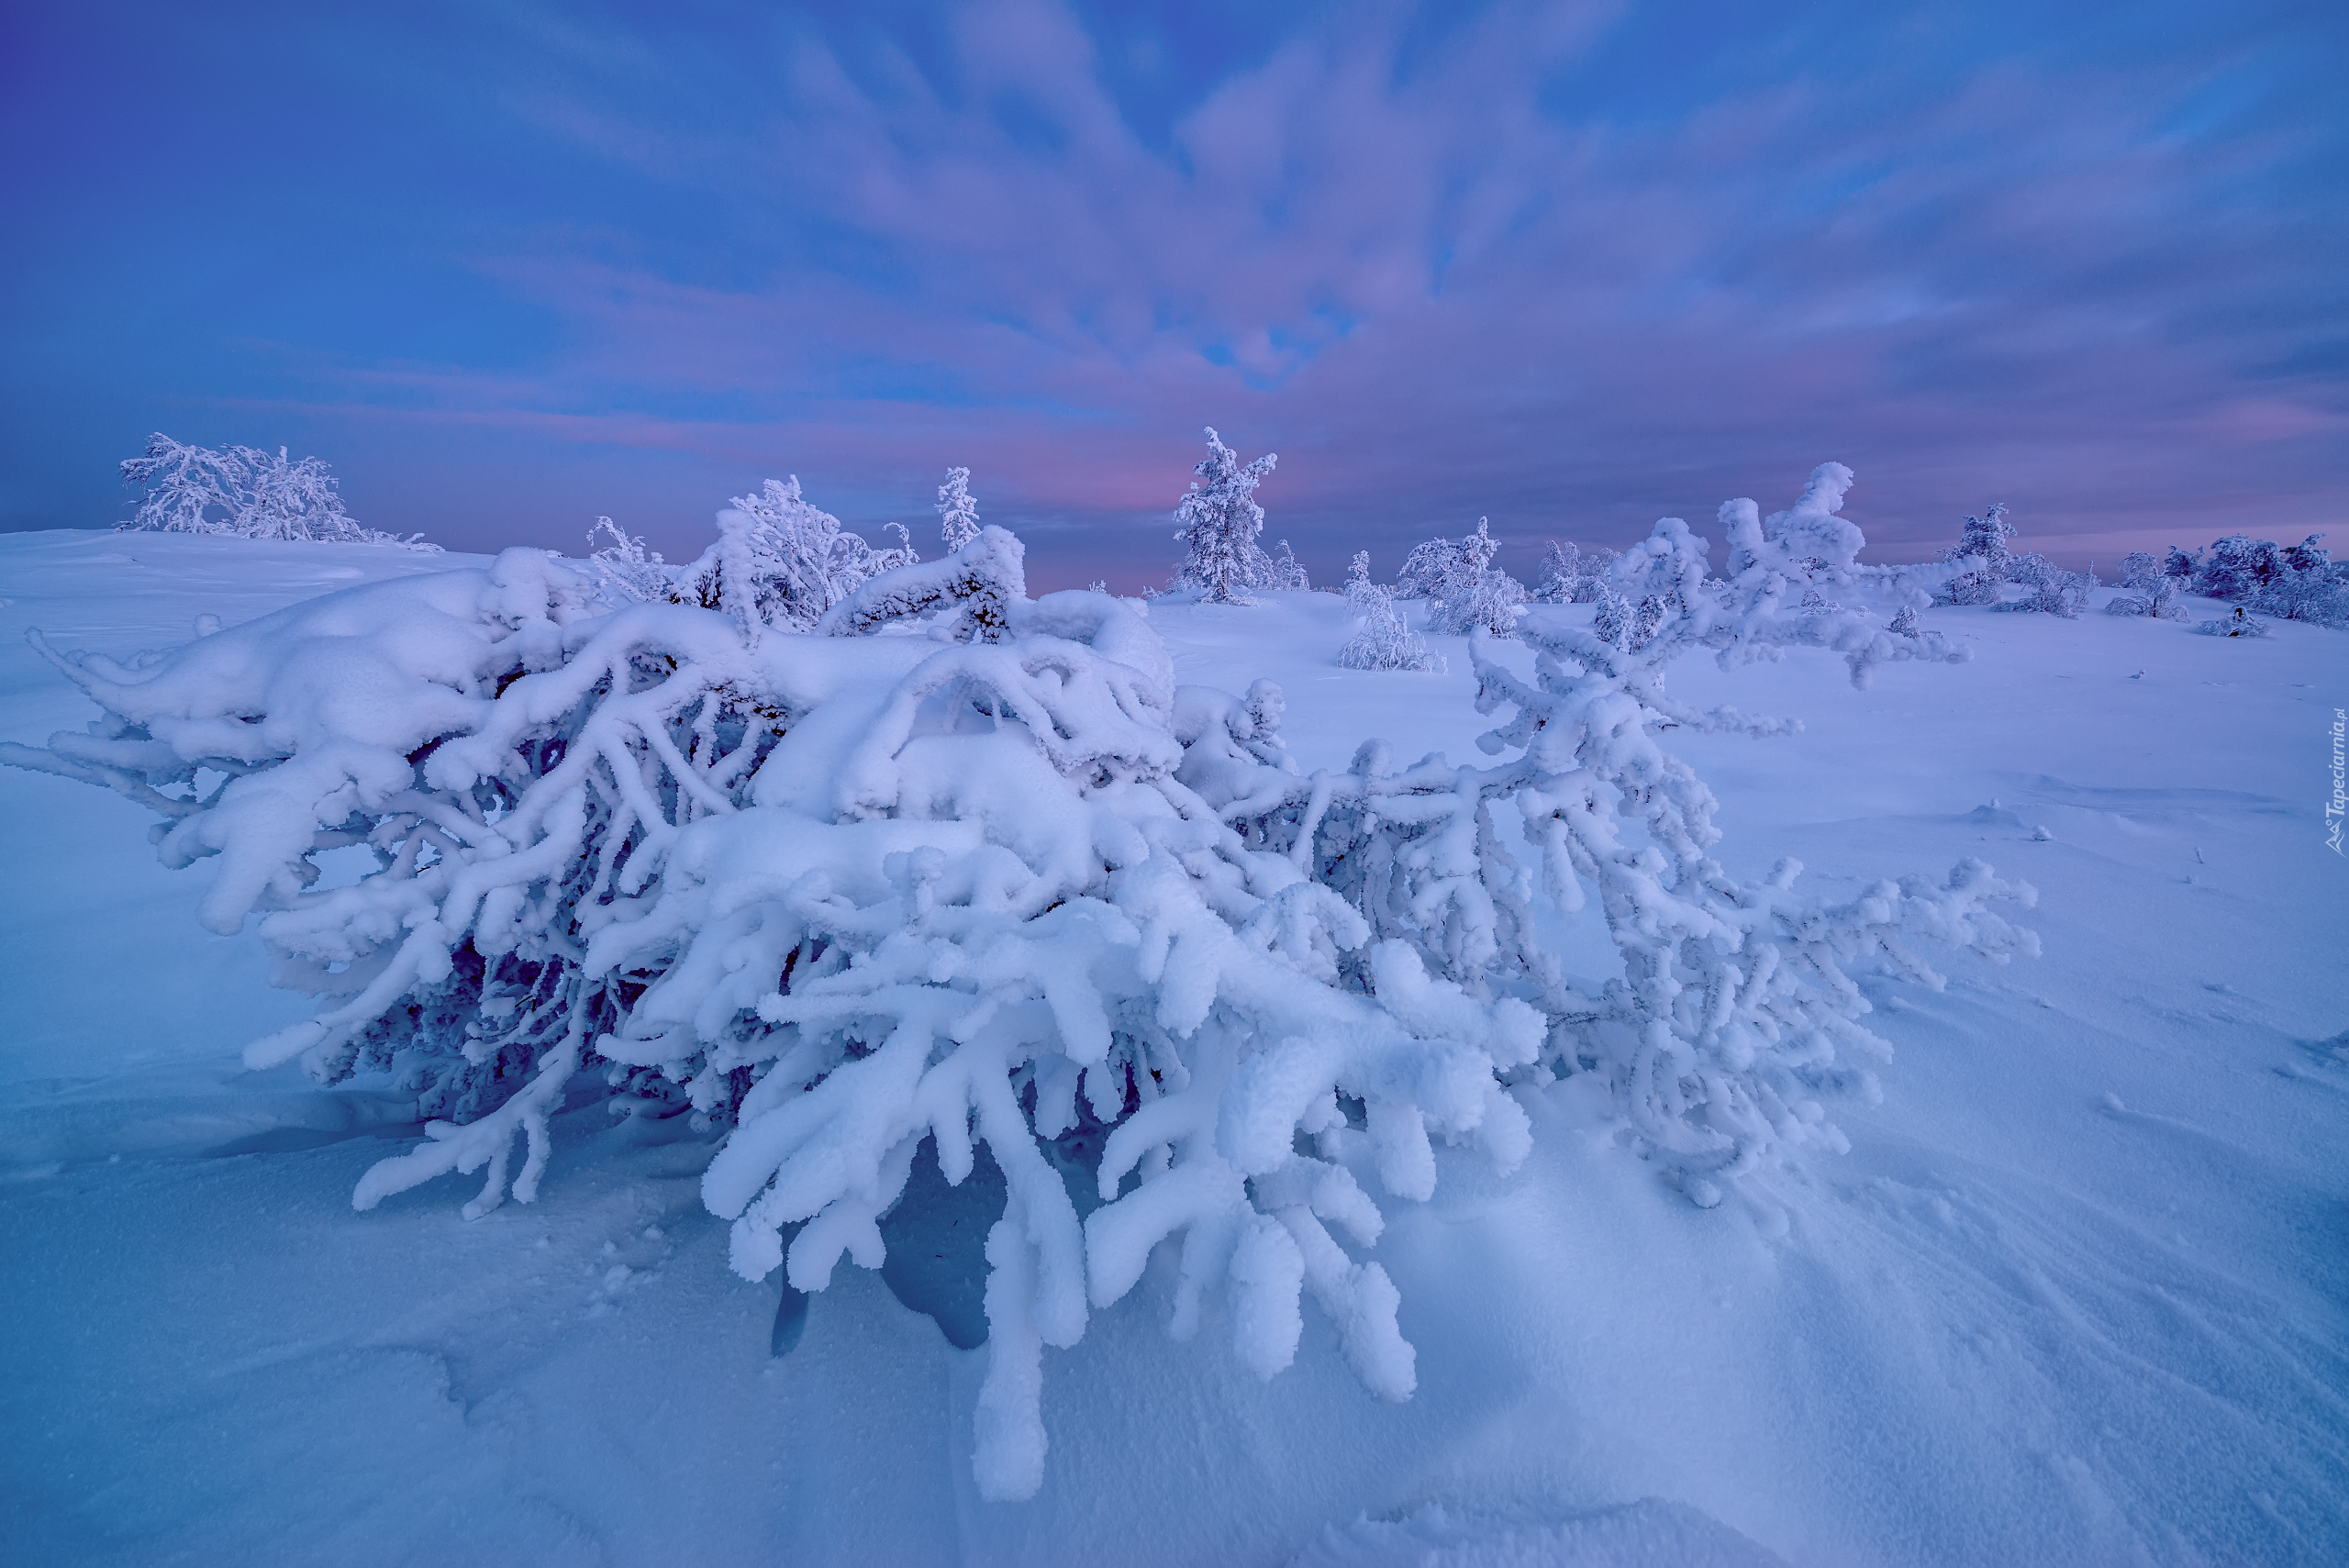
{"x":1573,"y":267}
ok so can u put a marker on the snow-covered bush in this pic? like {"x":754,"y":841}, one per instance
{"x":1282,"y":569}
{"x":993,"y":879}
{"x":244,"y":493}
{"x":1465,"y":591}
{"x":1982,"y":557}
{"x":1218,"y":521}
{"x":1571,"y":577}
{"x":958,"y":510}
{"x":1985,"y":564}
{"x":624,"y":571}
{"x":2243,"y":623}
{"x":2049,"y":588}
{"x":2152,"y":591}
{"x":2299,"y":581}
{"x":2308,"y":586}
{"x":780,"y":561}
{"x":2237,"y":567}
{"x":1385,"y":640}
{"x":1439,"y":567}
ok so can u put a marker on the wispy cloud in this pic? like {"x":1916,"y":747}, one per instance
{"x":1532,"y":264}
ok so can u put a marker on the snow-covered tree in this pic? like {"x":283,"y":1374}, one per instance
{"x":1465,"y":590}
{"x":1438,"y":568}
{"x":2049,"y":588}
{"x":847,"y":899}
{"x":780,"y":561}
{"x":1282,"y":569}
{"x":244,"y":493}
{"x":2308,"y":586}
{"x":1384,"y":641}
{"x":2152,"y":590}
{"x":958,"y":511}
{"x":624,"y":571}
{"x":1570,"y":576}
{"x":1982,"y":558}
{"x":1218,"y":521}
{"x":2238,"y":567}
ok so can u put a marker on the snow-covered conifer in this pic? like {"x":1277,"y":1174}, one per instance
{"x":1218,"y":520}
{"x":1982,"y":558}
{"x":958,"y":511}
{"x":1358,"y":583}
{"x":246,"y":493}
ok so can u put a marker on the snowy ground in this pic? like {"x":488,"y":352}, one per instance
{"x":2081,"y":1292}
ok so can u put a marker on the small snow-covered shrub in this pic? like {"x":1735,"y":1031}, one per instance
{"x":958,"y":510}
{"x":2049,"y":588}
{"x":2153,"y":592}
{"x":1465,"y":591}
{"x":1218,"y":521}
{"x":1985,"y":564}
{"x":1386,"y":641}
{"x":780,"y":561}
{"x":1982,"y":557}
{"x":946,"y":866}
{"x":2237,"y":567}
{"x":624,"y":571}
{"x":246,"y":493}
{"x":2300,"y":581}
{"x":2309,"y":586}
{"x":2243,"y":623}
{"x":1282,"y":569}
{"x":1569,"y":577}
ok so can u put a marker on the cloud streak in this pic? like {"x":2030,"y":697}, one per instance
{"x":1543,"y":267}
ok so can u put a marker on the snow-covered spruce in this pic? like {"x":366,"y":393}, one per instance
{"x":1985,"y":565}
{"x":960,"y":867}
{"x":244,"y":493}
{"x":958,"y":510}
{"x":1982,"y":558}
{"x":1218,"y":521}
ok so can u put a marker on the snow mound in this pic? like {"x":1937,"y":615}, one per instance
{"x":1646,"y":1534}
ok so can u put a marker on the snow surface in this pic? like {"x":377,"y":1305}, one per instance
{"x":2079,"y":1292}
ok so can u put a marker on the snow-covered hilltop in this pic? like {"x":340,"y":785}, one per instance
{"x":998,"y":939}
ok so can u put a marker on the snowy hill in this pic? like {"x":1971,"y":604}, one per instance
{"x":2080,"y":1292}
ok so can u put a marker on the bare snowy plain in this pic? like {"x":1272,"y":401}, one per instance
{"x":2080,"y":1292}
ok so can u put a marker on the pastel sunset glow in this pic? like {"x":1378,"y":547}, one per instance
{"x":1571,"y":267}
